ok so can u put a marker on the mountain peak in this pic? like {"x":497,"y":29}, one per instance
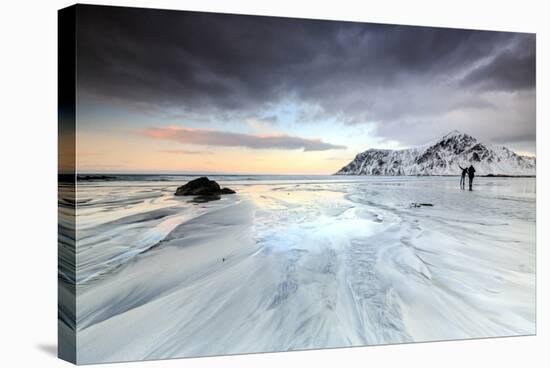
{"x":456,"y":133}
{"x":440,"y":157}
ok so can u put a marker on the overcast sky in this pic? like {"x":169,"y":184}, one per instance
{"x":169,"y":85}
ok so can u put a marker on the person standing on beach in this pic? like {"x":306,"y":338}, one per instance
{"x":463,"y":176}
{"x":471,"y":174}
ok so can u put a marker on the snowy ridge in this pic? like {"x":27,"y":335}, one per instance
{"x":442,"y":158}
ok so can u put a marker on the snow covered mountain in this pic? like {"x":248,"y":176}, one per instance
{"x":442,"y":158}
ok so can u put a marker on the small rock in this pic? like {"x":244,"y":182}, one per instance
{"x":202,"y":187}
{"x":416,"y":205}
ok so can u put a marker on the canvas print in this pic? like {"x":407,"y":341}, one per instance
{"x":242,"y":184}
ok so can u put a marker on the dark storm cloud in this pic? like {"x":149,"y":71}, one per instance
{"x":213,"y":64}
{"x":510,"y":70}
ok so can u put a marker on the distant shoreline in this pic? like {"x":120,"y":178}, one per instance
{"x":113,"y":177}
{"x":458,"y":174}
{"x":507,"y":176}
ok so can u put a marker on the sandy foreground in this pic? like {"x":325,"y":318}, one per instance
{"x":299,"y":265}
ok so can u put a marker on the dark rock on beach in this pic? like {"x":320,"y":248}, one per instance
{"x":416,"y":205}
{"x":202,"y":187}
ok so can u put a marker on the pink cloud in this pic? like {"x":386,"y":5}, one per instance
{"x":228,"y":139}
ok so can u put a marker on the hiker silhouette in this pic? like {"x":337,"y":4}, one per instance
{"x":463,"y":176}
{"x":471,"y":174}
